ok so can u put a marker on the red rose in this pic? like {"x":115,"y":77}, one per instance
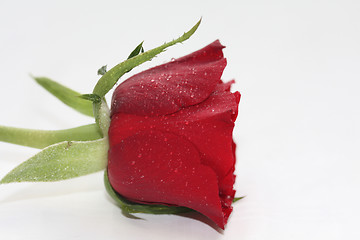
{"x":171,"y":135}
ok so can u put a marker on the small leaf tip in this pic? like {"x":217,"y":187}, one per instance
{"x":238,"y":198}
{"x":91,"y":97}
{"x":101,"y":71}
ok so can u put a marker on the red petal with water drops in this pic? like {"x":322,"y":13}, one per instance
{"x":167,"y":88}
{"x":163,"y":168}
{"x":186,"y":103}
{"x":208,"y":126}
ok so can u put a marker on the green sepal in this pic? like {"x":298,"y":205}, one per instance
{"x":131,"y":207}
{"x":110,"y":78}
{"x":66,"y":95}
{"x":62,"y":161}
{"x":102,"y":116}
{"x":139,"y":49}
{"x":237,"y":199}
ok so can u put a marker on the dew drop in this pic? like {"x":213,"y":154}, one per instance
{"x":133,"y":163}
{"x":139,"y":155}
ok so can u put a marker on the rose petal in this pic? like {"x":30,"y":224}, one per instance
{"x":212,"y":51}
{"x":167,"y":88}
{"x":207,"y":125}
{"x":157,"y":167}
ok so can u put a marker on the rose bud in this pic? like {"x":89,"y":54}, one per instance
{"x":170,"y":135}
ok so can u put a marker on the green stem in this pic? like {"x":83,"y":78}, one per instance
{"x":44,"y":138}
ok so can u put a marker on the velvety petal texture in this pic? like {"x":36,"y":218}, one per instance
{"x":171,"y":135}
{"x":169,"y":87}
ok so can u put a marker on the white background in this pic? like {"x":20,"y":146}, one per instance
{"x":296,"y":64}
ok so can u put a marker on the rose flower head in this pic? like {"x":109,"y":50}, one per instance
{"x":166,"y":143}
{"x":170,"y":135}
